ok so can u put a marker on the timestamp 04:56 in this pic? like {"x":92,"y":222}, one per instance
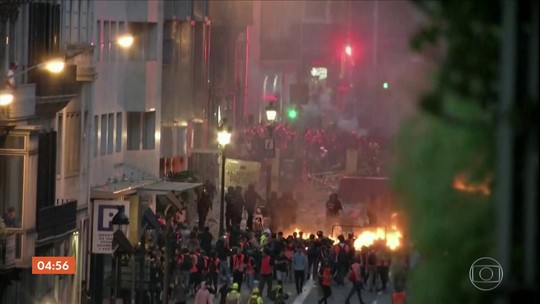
{"x":53,"y":265}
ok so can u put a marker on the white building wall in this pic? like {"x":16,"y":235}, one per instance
{"x":126,"y":85}
{"x":105,"y":95}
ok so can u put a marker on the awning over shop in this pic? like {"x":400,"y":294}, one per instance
{"x":167,"y":188}
{"x":120,"y":188}
{"x":170,"y":186}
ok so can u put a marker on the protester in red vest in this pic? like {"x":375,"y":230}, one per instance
{"x":266,"y":272}
{"x":195,"y":275}
{"x":213,"y":270}
{"x":326,"y":282}
{"x":239,"y":266}
{"x":250,"y":270}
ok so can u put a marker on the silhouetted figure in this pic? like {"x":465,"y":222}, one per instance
{"x":204,"y":204}
{"x":230,"y":200}
{"x":238,"y":206}
{"x":251,"y":198}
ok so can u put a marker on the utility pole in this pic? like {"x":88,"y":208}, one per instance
{"x":165,"y":286}
{"x":505,"y":139}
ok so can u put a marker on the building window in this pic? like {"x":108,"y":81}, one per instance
{"x":113,"y":34}
{"x":59,"y":134}
{"x":119,"y":132}
{"x":11,"y":189}
{"x":145,"y":45}
{"x":72,"y":143}
{"x":12,"y":142}
{"x":168,"y":47}
{"x":44,"y":26}
{"x":103,"y":135}
{"x":110,"y":134}
{"x":122,"y":29}
{"x":316,"y":12}
{"x":84,"y":140}
{"x":149,"y":134}
{"x":96,"y":135}
{"x":106,"y":40}
{"x":134,"y":130}
{"x":99,"y":29}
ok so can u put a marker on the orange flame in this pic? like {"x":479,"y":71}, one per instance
{"x":369,"y":236}
{"x":461,"y":184}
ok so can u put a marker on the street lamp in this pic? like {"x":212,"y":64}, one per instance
{"x":55,"y":65}
{"x":125,"y":41}
{"x":271,"y":115}
{"x":224,"y":138}
{"x":6,"y":97}
{"x":120,"y":223}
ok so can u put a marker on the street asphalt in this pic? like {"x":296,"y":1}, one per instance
{"x":311,"y":294}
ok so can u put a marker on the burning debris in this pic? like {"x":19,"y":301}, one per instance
{"x":364,"y":236}
{"x":461,"y":183}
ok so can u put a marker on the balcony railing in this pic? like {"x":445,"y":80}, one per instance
{"x":7,"y":251}
{"x":56,"y":221}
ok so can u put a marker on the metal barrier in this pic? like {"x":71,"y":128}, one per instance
{"x":326,"y":180}
{"x":7,"y":251}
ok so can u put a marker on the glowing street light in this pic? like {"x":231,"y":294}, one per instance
{"x":271,"y":113}
{"x":348,"y":50}
{"x":6,"y":97}
{"x":55,"y":65}
{"x":224,"y":138}
{"x":125,"y":41}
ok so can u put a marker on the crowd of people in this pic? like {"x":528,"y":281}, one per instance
{"x":239,"y":202}
{"x":262,"y":259}
{"x":262,"y":262}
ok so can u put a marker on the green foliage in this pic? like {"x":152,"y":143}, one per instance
{"x":451,"y":229}
{"x":453,"y":135}
{"x":470,"y":33}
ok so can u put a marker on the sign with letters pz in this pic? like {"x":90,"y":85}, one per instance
{"x":269,"y":148}
{"x":103,"y":213}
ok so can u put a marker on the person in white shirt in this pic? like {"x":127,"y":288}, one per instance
{"x":10,"y":76}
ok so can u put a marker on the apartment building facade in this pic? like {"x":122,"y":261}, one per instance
{"x":114,"y":119}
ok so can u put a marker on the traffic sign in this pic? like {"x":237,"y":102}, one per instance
{"x":269,"y":148}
